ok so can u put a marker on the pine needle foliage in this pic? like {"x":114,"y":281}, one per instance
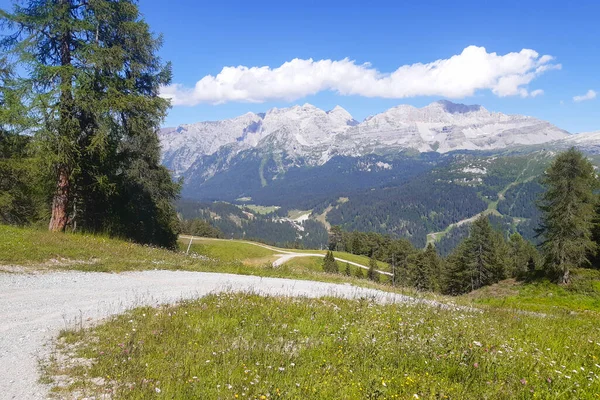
{"x":568,"y":214}
{"x":93,"y":81}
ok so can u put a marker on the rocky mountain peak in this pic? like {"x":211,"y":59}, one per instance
{"x":313,"y":136}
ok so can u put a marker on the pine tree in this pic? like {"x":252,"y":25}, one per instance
{"x":18,"y":203}
{"x":400,"y":255}
{"x":96,"y":80}
{"x":359,"y":273}
{"x":330,"y":265}
{"x":478,"y":261}
{"x":372,"y":273}
{"x":487,"y":257}
{"x":456,"y":272}
{"x":335,"y":238}
{"x":594,"y":254}
{"x":521,"y":255}
{"x":568,"y":213}
{"x":200,"y":227}
{"x":426,"y":270}
{"x":347,"y":270}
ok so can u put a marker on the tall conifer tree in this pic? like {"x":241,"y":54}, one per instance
{"x":478,"y":261}
{"x":372,"y":273}
{"x":426,"y":270}
{"x":568,"y":213}
{"x":95,"y":80}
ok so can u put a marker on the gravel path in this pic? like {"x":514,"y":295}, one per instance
{"x":33,"y":308}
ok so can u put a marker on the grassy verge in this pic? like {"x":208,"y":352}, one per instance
{"x":581,"y":296}
{"x":231,"y":251}
{"x":40,"y":249}
{"x":241,"y":346}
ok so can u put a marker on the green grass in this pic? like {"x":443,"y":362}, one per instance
{"x":360,"y":259}
{"x":226,"y":250}
{"x":581,"y":296}
{"x":316,"y":264}
{"x":242,"y":346}
{"x":542,"y":297}
{"x":41,"y":249}
{"x":260,"y":209}
{"x":363,"y":260}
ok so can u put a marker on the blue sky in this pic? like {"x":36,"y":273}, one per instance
{"x":202,"y":37}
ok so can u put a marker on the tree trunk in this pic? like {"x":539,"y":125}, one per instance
{"x":566,"y":277}
{"x":60,"y":202}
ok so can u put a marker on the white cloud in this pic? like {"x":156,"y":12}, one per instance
{"x":456,"y":77}
{"x":536,"y":93}
{"x":590,"y":95}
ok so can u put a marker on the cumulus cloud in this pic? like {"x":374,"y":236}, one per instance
{"x":590,"y":95}
{"x":455,"y":77}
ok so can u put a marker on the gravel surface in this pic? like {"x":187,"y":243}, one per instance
{"x":35,"y":307}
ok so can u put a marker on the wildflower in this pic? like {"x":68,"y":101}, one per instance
{"x":476,"y":365}
{"x":524,"y":381}
{"x":157,"y":390}
{"x":476,"y":343}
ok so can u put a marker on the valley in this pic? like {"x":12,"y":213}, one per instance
{"x":391,"y":184}
{"x":300,"y":206}
{"x":524,"y":176}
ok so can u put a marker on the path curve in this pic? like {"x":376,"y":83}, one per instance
{"x":35,"y":307}
{"x":286,"y":255}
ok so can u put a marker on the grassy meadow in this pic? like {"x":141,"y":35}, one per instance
{"x":582,"y":296}
{"x":242,"y":346}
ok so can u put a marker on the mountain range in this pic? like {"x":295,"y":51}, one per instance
{"x":307,"y":135}
{"x":419,"y":173}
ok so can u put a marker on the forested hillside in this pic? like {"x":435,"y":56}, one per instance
{"x":238,"y":222}
{"x":267,"y":181}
